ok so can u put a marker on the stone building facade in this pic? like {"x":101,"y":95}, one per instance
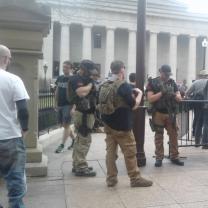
{"x":104,"y":30}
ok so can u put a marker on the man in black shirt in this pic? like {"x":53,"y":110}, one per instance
{"x":118,"y":127}
{"x":63,"y":106}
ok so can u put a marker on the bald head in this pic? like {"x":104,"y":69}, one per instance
{"x":5,"y":56}
{"x":4,"y":51}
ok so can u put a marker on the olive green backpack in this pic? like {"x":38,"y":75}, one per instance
{"x":108,"y":100}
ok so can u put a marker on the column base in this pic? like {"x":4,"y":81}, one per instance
{"x":34,"y":154}
{"x":37,"y":169}
{"x":141,"y":159}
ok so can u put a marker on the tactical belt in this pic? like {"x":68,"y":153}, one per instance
{"x":83,"y":129}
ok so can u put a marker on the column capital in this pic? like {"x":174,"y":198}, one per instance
{"x":174,"y":34}
{"x":193,"y":35}
{"x":64,"y":24}
{"x":132,"y":30}
{"x":153,"y":32}
{"x":87,"y":25}
{"x":110,"y":28}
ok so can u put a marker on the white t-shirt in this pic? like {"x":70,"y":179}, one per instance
{"x":12,"y":89}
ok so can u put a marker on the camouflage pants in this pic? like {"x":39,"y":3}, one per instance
{"x":162,"y":121}
{"x":81,"y":144}
{"x":126,"y":141}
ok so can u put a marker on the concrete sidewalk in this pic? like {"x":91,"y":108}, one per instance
{"x":174,"y":186}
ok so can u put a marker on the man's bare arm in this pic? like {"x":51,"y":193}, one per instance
{"x":178,"y":96}
{"x":151,"y":97}
{"x":84,"y":91}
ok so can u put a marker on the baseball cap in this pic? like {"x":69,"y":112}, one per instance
{"x":87,"y":65}
{"x":165,"y":69}
{"x":203,"y":72}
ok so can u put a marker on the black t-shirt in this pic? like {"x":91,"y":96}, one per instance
{"x":62,"y":84}
{"x":121,"y":119}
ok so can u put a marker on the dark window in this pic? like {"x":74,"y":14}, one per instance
{"x":97,"y":40}
{"x":56,"y":69}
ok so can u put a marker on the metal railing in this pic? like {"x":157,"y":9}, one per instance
{"x":47,"y":116}
{"x":185,"y":122}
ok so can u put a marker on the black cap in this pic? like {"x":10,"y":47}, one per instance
{"x":166,"y":69}
{"x":87,"y":65}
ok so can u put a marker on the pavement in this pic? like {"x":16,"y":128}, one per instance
{"x":174,"y":186}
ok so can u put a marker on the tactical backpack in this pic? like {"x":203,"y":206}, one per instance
{"x":108,"y":99}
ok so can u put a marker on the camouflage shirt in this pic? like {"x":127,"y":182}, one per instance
{"x":155,"y":85}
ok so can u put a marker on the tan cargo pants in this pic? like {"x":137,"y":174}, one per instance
{"x":126,"y":141}
{"x":162,"y":121}
{"x":81,"y":144}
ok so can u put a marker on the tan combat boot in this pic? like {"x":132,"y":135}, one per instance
{"x":112,"y":182}
{"x":141,"y":182}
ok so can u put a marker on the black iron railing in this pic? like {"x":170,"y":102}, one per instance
{"x":47,"y":116}
{"x":185,"y":122}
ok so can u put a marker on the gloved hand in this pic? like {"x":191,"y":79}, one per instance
{"x":167,"y":91}
{"x":163,"y":89}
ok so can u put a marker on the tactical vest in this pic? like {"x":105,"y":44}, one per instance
{"x":167,"y":102}
{"x":86,"y":104}
{"x":109,"y":100}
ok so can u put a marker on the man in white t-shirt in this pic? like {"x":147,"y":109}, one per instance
{"x":13,"y":126}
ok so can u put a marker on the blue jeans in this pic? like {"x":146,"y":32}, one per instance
{"x":12,"y":169}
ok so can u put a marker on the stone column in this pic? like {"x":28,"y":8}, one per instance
{"x":173,"y":54}
{"x":132,"y":52}
{"x":152,"y":71}
{"x":87,"y":42}
{"x":64,"y":45}
{"x":191,"y":72}
{"x":26,"y":47}
{"x":206,"y":57}
{"x":110,"y":49}
{"x":48,"y":53}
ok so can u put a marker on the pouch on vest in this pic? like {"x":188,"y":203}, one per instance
{"x":107,"y":97}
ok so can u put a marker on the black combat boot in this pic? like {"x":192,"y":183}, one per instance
{"x":177,"y":162}
{"x":158,"y":163}
{"x":85,"y":173}
{"x":74,"y":170}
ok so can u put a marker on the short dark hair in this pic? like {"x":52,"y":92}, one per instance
{"x":116,"y":66}
{"x":132,"y":77}
{"x":67,"y":62}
